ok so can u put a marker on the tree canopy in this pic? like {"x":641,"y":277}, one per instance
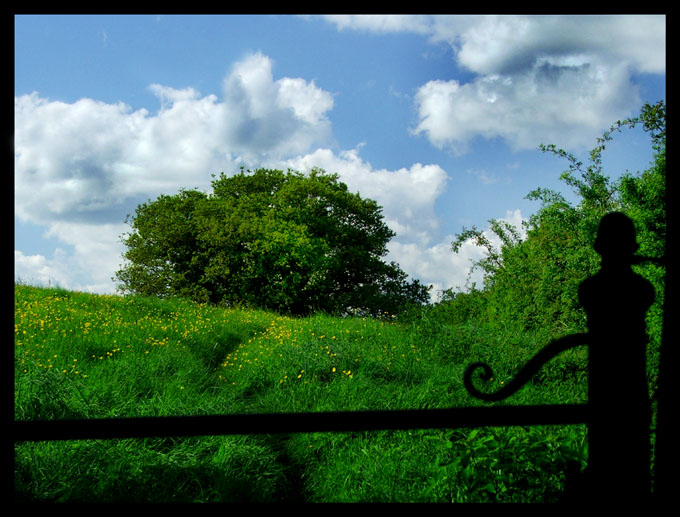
{"x":286,"y":241}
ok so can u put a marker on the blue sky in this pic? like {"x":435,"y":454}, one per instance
{"x":438,"y":118}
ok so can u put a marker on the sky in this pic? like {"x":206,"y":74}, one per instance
{"x":437,"y":118}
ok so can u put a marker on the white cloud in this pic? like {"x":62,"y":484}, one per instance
{"x":39,"y":270}
{"x":540,"y":79}
{"x":490,"y":44}
{"x":501,"y":44}
{"x":76,"y":162}
{"x":438,"y":266}
{"x":91,"y":265}
{"x":271,"y":119}
{"x":97,"y":252}
{"x":544,"y":104}
{"x":382,"y":22}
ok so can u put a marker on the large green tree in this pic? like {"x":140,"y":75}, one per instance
{"x":286,"y":241}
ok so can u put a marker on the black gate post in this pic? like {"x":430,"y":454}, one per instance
{"x":616,"y":301}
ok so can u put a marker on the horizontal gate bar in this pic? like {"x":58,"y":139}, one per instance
{"x":275,"y":423}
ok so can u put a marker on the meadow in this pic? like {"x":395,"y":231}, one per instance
{"x":79,"y":355}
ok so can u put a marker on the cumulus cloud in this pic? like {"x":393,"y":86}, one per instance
{"x":535,"y":75}
{"x":547,"y":103}
{"x":81,"y":167}
{"x":82,"y":161}
{"x":490,"y":44}
{"x":96,"y":256}
{"x":273,"y":118}
{"x":437,"y":265}
{"x":505,"y":44}
{"x":89,"y":267}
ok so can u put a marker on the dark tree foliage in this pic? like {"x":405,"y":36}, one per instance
{"x":288,"y":242}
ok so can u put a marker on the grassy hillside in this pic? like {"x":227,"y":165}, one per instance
{"x":80,"y":355}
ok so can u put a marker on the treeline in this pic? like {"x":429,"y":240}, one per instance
{"x":531,"y":283}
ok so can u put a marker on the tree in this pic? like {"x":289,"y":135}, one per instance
{"x":533,"y":283}
{"x":289,"y":242}
{"x":161,"y":249}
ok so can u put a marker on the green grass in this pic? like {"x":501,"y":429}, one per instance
{"x":86,"y":356}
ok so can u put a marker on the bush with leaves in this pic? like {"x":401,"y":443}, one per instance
{"x":532,"y":282}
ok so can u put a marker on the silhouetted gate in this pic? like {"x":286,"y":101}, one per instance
{"x":612,"y":299}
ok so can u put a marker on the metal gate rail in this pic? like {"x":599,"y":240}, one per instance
{"x":274,"y":423}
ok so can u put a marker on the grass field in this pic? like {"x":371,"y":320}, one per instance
{"x":86,"y":356}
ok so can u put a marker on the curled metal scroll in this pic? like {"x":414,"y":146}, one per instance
{"x":524,"y":375}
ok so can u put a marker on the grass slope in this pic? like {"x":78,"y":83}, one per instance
{"x":86,"y":356}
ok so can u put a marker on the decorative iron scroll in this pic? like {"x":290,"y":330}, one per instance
{"x":525,"y":374}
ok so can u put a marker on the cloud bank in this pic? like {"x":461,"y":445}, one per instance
{"x":76,"y":162}
{"x":537,"y":78}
